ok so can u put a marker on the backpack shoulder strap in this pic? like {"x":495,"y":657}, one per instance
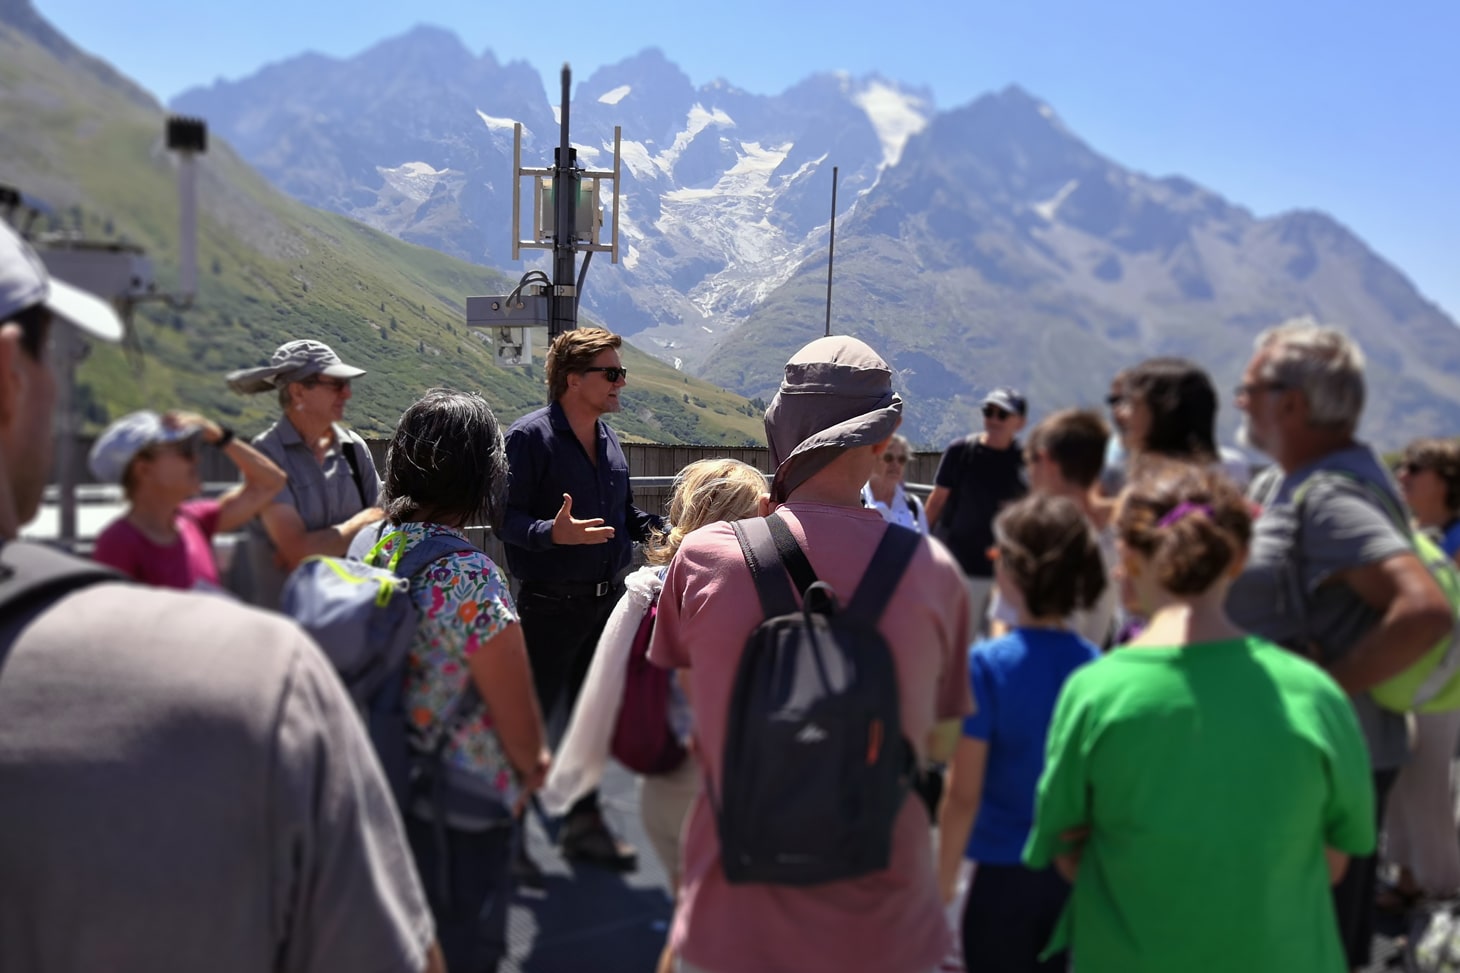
{"x":791,"y":554}
{"x":430,"y":550}
{"x":348,"y":447}
{"x":772,"y":584}
{"x":31,"y":574}
{"x":894,"y":552}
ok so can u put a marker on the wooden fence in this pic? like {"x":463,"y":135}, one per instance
{"x":645,"y":461}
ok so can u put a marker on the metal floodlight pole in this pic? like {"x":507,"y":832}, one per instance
{"x":565,"y":194}
{"x":831,"y":250}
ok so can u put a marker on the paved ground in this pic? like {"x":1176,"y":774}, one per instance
{"x":589,"y":920}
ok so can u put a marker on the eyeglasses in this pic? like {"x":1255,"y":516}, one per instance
{"x":611,"y":372}
{"x":1114,"y":400}
{"x":893,"y":458}
{"x":1410,"y":468}
{"x":994,"y":412}
{"x":335,"y":385}
{"x":1249,"y":389}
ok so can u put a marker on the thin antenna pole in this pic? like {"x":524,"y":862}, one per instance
{"x":831,"y":250}
{"x":565,"y":187}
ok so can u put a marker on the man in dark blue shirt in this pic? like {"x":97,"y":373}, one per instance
{"x":569,"y":532}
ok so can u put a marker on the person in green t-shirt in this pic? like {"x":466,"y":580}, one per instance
{"x":1202,"y":787}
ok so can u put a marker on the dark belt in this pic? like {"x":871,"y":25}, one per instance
{"x":572,"y":589}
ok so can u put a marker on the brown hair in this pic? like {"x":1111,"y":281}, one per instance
{"x":705,"y":492}
{"x":1075,"y":441}
{"x":1196,"y":543}
{"x":572,"y":352}
{"x":1443,"y":457}
{"x":1048,"y":549}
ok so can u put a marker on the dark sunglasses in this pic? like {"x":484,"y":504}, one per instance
{"x":1114,"y":400}
{"x":892,"y":458}
{"x":336,"y":385}
{"x":994,"y":412}
{"x":1248,"y":390}
{"x":611,"y":372}
{"x":1410,"y":468}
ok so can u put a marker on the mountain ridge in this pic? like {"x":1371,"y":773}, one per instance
{"x":989,"y":233}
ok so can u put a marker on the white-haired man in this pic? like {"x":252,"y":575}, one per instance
{"x":1331,"y":572}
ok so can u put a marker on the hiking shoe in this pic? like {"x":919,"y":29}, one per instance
{"x":586,"y":838}
{"x":526,"y":872}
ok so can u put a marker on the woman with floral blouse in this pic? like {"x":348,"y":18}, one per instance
{"x":445,"y":470}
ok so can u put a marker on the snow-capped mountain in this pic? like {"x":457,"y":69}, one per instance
{"x":723,"y":192}
{"x":981,"y":245}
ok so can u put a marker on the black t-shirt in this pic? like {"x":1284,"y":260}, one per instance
{"x":980,"y":480}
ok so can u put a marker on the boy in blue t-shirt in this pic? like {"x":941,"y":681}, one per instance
{"x":1048,"y":564}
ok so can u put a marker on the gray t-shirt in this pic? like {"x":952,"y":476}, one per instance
{"x":325,"y":493}
{"x":184,"y":786}
{"x":1281,"y":594}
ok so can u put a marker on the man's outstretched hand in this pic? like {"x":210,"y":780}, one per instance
{"x":567,"y":530}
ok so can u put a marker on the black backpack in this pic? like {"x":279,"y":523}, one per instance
{"x":816,"y":766}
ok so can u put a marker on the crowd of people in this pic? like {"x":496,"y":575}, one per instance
{"x":1148,"y":706}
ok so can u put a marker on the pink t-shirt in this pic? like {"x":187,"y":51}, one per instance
{"x":888,"y":922}
{"x":186,"y":563}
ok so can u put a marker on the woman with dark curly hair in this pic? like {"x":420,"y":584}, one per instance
{"x":468,"y":683}
{"x":1202,"y":787}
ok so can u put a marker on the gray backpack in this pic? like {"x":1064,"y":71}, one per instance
{"x":362,"y":616}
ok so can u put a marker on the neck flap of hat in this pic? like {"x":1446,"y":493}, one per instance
{"x":836,"y":395}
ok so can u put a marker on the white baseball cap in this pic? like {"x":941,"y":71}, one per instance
{"x":124,"y":439}
{"x":24,"y":282}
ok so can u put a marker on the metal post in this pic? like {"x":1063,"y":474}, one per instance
{"x":65,"y":351}
{"x":565,"y":192}
{"x":831,"y":250}
{"x":187,"y":187}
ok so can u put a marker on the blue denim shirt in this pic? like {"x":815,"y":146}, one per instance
{"x":545,"y":461}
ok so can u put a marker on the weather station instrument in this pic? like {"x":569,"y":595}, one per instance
{"x":567,"y":219}
{"x":114,"y":270}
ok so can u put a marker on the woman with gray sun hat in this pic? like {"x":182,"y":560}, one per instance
{"x":333,"y":490}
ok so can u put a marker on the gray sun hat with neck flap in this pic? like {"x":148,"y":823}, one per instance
{"x":293,"y":361}
{"x":836,"y":395}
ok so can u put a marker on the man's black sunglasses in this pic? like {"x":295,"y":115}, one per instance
{"x":994,"y":412}
{"x":611,"y":372}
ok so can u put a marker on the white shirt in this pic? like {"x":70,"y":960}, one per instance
{"x":900,"y":511}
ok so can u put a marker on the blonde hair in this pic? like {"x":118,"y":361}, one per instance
{"x":706,"y":492}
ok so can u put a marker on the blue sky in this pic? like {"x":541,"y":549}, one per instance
{"x":1348,"y":107}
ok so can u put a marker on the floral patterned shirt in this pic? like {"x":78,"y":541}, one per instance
{"x":464,"y":602}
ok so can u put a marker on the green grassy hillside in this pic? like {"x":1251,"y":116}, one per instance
{"x":271,"y":269}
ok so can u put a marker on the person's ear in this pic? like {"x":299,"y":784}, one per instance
{"x":13,"y":379}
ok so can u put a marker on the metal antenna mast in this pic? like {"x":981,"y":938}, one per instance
{"x":831,"y":250}
{"x":566,"y":219}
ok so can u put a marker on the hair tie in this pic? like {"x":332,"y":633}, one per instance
{"x":1180,"y":512}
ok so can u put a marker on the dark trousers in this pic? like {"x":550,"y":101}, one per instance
{"x":472,"y":926}
{"x":1009,"y":918}
{"x":1353,"y":897}
{"x":562,"y":634}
